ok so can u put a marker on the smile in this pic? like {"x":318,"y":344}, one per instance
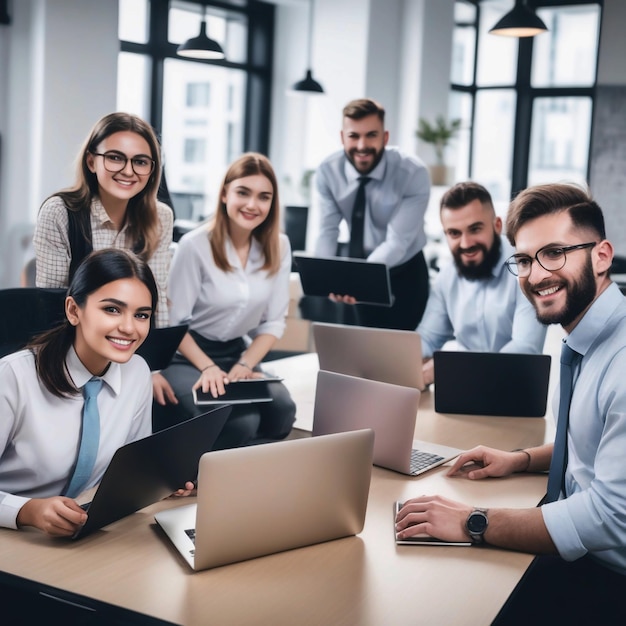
{"x":120,"y":342}
{"x":549,"y":291}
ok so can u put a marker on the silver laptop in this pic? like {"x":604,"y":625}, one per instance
{"x":344,"y":403}
{"x":264,"y":499}
{"x":389,"y":355}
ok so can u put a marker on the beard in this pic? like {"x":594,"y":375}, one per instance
{"x":580,"y":294}
{"x":378,"y":155}
{"x":483,"y":269}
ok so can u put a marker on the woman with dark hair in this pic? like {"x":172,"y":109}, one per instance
{"x":113,"y":203}
{"x":109,"y":307}
{"x":230,"y":282}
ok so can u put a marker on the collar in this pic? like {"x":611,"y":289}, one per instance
{"x":378,"y":173}
{"x":255,"y":254}
{"x":80,"y":374}
{"x":100,"y":214}
{"x":595,"y":319}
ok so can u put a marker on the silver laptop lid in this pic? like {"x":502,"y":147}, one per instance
{"x":384,"y":354}
{"x":347,"y":403}
{"x":263,"y":499}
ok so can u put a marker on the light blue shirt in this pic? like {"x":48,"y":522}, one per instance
{"x":487,"y":315}
{"x":396,"y":202}
{"x":592,"y":518}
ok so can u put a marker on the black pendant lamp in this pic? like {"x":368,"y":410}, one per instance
{"x":520,"y":21}
{"x":201,"y":47}
{"x":308,"y":84}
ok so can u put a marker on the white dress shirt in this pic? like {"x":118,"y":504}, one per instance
{"x":396,"y":202}
{"x":591,"y":518}
{"x":487,"y":315}
{"x":40,"y":432}
{"x":220,"y":305}
{"x":53,"y":254}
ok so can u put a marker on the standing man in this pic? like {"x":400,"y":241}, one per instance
{"x":563,"y":262}
{"x":382,"y":195}
{"x":475,"y":300}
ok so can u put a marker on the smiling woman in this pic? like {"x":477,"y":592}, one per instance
{"x":230,"y":282}
{"x":108,"y":309}
{"x":113,"y":203}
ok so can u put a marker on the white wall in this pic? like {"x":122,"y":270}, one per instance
{"x":61,"y":77}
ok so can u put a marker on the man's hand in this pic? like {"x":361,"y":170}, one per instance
{"x":482,"y":462}
{"x":190,"y":489}
{"x":162,"y":390}
{"x":435,"y":516}
{"x":428,"y":371}
{"x":57,"y":516}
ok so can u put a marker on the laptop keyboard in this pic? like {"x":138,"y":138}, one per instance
{"x":191,"y":533}
{"x":420,"y":460}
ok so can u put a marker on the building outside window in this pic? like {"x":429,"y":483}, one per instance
{"x":526,"y":104}
{"x":199,"y":108}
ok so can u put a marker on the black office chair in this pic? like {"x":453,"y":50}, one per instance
{"x":296,"y":218}
{"x":26,"y":312}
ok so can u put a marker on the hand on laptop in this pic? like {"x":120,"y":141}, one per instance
{"x":57,"y":516}
{"x":190,"y":489}
{"x":482,"y":462}
{"x":428,"y":371}
{"x":345,"y":299}
{"x":212,"y":380}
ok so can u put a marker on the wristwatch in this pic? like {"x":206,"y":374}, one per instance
{"x":476,"y":525}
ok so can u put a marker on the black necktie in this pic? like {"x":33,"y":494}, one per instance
{"x":569,"y":360}
{"x":356,"y":249}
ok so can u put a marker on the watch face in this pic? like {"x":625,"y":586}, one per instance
{"x":477,"y":523}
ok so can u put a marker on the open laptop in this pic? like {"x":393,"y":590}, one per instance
{"x":367,"y":282}
{"x":384,"y":354}
{"x":149,"y":469}
{"x":244,"y":391}
{"x":344,"y":403}
{"x":273,"y":497}
{"x":161,"y":344}
{"x":491,"y":383}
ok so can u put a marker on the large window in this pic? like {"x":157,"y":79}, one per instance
{"x":526,"y":104}
{"x":206,"y":112}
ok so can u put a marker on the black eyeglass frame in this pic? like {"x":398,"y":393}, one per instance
{"x":126,"y":159}
{"x":512,"y":266}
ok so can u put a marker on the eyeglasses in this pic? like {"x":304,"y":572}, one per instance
{"x":551,"y":258}
{"x":116,"y":162}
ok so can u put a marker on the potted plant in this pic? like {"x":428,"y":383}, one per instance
{"x":439,"y":135}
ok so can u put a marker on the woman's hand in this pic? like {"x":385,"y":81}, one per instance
{"x":162,"y":390}
{"x":241,"y":371}
{"x":482,"y":462}
{"x":212,"y":380}
{"x":190,"y":489}
{"x":57,"y":516}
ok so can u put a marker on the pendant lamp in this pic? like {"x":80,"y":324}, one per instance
{"x":308,"y":84}
{"x":520,"y":21}
{"x":201,"y":47}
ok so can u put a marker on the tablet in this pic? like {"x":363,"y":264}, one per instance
{"x":367,"y":282}
{"x":423,"y":540}
{"x":245,"y":391}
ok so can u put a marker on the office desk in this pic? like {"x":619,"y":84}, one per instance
{"x":365,"y":580}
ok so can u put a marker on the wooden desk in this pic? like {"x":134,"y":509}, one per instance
{"x":365,"y":580}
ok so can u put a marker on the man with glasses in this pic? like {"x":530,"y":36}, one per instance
{"x":474,"y":300}
{"x":563,"y":262}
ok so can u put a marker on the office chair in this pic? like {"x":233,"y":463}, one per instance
{"x":26,"y":312}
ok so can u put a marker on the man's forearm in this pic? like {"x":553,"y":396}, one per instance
{"x":519,"y":529}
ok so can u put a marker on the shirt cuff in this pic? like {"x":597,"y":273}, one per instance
{"x":560,"y":525}
{"x":10,"y":506}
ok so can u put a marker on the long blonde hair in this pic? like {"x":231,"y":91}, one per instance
{"x":141,"y":216}
{"x":267,"y":233}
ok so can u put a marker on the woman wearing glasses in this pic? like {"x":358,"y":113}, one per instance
{"x":113,"y":203}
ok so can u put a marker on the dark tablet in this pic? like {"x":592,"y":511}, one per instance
{"x":161,"y":345}
{"x":367,"y":282}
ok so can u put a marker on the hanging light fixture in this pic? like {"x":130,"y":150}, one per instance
{"x":520,"y":21}
{"x":308,"y":84}
{"x":201,"y":47}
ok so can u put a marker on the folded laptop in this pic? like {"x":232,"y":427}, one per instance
{"x":384,"y":354}
{"x":367,"y":282}
{"x":344,"y":403}
{"x":422,"y":539}
{"x":264,"y":499}
{"x":149,"y":469}
{"x":491,"y":383}
{"x":245,"y":391}
{"x":160,"y":345}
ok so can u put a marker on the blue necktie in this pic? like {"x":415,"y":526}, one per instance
{"x":89,"y":439}
{"x":569,"y":359}
{"x":356,"y":248}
